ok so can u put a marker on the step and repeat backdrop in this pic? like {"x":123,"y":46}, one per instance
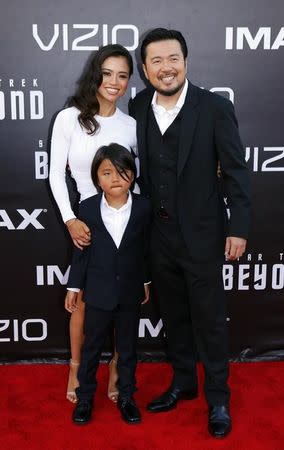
{"x":236,"y":49}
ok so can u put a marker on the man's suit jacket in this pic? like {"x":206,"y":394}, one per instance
{"x":109,"y":275}
{"x":208,"y":134}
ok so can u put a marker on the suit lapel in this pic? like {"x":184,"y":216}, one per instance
{"x":188,"y":123}
{"x":130,"y":225}
{"x":97,"y":217}
{"x":142,"y":120}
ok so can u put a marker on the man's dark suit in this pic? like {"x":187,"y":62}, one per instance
{"x":113,"y":282}
{"x":187,"y":255}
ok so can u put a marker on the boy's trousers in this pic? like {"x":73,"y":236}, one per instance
{"x":124,"y":319}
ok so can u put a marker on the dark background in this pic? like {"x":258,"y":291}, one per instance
{"x":33,"y":323}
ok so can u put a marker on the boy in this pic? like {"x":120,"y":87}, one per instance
{"x":112,"y":272}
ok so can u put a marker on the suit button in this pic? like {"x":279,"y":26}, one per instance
{"x":117,"y":277}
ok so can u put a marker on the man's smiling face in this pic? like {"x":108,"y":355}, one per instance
{"x":165,"y":66}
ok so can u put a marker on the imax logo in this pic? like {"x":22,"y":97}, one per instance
{"x":48,"y":275}
{"x":27,"y":219}
{"x":238,"y":36}
{"x":146,"y":326}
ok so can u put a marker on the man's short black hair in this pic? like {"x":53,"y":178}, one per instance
{"x":119,"y":156}
{"x":162,"y":34}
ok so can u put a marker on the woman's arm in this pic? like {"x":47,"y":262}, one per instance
{"x":60,"y":144}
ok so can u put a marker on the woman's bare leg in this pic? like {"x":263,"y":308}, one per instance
{"x":76,"y":341}
{"x":76,"y":328}
{"x":112,"y":391}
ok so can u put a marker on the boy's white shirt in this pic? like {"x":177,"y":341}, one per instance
{"x":116,"y":220}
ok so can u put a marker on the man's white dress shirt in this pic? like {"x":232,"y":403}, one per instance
{"x":165,"y":117}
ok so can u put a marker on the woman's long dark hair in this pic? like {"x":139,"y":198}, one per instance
{"x":85,"y":98}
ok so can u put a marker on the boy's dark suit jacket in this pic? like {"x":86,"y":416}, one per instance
{"x":208,"y":134}
{"x":109,"y":275}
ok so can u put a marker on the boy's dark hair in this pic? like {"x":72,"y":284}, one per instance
{"x":162,"y":34}
{"x":119,"y":156}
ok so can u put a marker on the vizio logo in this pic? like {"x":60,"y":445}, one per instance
{"x":26,"y":219}
{"x":103,"y":35}
{"x":258,"y":157}
{"x":31,"y":330}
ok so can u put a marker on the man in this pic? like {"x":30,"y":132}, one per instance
{"x":183,"y":133}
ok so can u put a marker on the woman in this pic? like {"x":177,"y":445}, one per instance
{"x":91,"y":120}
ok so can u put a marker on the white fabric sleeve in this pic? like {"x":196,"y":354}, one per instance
{"x":134,"y":148}
{"x":60,"y":142}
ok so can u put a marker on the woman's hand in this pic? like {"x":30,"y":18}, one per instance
{"x":79,"y":233}
{"x":147,"y":294}
{"x":71,"y":301}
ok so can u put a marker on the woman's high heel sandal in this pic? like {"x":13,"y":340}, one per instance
{"x":72,"y":381}
{"x":112,"y":391}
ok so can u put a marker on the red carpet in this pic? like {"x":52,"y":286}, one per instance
{"x":35,"y":415}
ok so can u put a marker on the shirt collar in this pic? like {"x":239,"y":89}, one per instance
{"x":179,"y":104}
{"x":126,"y":205}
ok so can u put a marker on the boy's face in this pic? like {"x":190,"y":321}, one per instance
{"x":111,"y":182}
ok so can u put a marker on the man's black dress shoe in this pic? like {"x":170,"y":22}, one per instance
{"x":219,"y":421}
{"x":168,"y":400}
{"x":83,"y":412}
{"x":128,"y":409}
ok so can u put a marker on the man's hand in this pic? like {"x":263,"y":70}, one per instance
{"x":71,"y":301}
{"x":147,"y":294}
{"x":235,"y":247}
{"x":79,"y":233}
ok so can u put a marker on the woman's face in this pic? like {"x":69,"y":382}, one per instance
{"x":115,"y":73}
